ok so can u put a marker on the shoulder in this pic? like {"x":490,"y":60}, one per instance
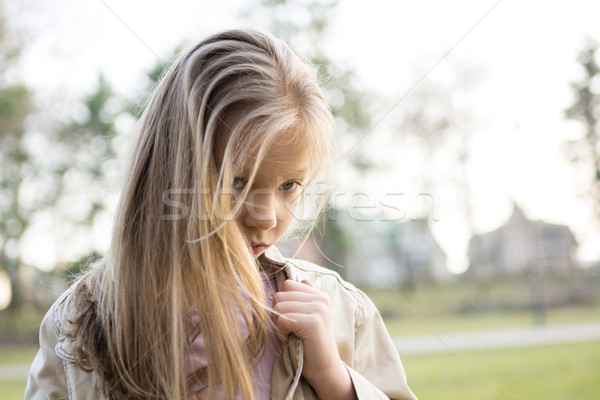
{"x":58,"y":321}
{"x":53,"y":371}
{"x":77,"y":300}
{"x":60,"y":326}
{"x":59,"y":311}
{"x":64,"y":306}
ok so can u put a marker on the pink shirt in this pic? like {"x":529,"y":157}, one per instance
{"x":263,"y":364}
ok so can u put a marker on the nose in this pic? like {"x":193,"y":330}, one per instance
{"x":261,"y":210}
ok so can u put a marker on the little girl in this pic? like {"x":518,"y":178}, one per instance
{"x":192,"y":300}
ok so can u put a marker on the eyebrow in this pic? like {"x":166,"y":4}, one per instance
{"x":302,"y":171}
{"x":299,"y":171}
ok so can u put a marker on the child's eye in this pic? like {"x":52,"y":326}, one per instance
{"x":289,"y":186}
{"x":239,"y":183}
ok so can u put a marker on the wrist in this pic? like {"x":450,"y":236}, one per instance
{"x":333,"y":384}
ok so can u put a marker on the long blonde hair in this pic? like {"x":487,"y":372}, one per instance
{"x":176,"y":249}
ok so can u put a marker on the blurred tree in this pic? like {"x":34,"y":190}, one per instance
{"x":32,"y":179}
{"x":436,"y":118}
{"x":89,"y":139}
{"x":135,"y":104}
{"x":15,"y":106}
{"x":75,"y":269}
{"x":585,"y":151}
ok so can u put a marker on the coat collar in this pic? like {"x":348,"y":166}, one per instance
{"x":272,"y":258}
{"x":273,"y":255}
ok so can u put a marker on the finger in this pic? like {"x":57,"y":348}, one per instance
{"x":296,"y":307}
{"x":295,"y":296}
{"x":290,"y":285}
{"x":284,"y":324}
{"x":293,"y":323}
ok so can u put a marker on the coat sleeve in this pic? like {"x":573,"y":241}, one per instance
{"x":377,"y":372}
{"x":47,"y":377}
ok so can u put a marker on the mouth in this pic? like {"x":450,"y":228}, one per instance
{"x":258,"y":248}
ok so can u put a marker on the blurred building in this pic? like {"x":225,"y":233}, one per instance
{"x":417,"y":252}
{"x":522,"y":245}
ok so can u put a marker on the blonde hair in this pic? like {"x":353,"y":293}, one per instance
{"x":218,"y":108}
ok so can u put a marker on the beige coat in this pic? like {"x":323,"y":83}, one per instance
{"x":362,"y":340}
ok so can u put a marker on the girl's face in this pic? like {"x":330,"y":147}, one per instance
{"x":274,"y":196}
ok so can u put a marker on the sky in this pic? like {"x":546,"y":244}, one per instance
{"x":520,"y":57}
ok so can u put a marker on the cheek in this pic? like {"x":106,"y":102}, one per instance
{"x":288,"y":213}
{"x":294,"y":199}
{"x":283,"y":223}
{"x":241,"y":215}
{"x":285,"y":219}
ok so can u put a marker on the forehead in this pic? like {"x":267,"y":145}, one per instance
{"x":286,"y":158}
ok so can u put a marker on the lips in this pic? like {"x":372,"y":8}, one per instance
{"x":258,"y":248}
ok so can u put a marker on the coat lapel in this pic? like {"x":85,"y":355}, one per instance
{"x":287,"y":371}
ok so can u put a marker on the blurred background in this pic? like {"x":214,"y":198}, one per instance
{"x":466,"y":200}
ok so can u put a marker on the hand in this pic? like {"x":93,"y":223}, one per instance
{"x":306,"y":312}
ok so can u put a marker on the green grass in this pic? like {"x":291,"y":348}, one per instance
{"x":23,"y":324}
{"x":17,"y":354}
{"x":12,"y":390}
{"x":565,"y":372}
{"x":465,"y":306}
{"x":424,"y":324}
